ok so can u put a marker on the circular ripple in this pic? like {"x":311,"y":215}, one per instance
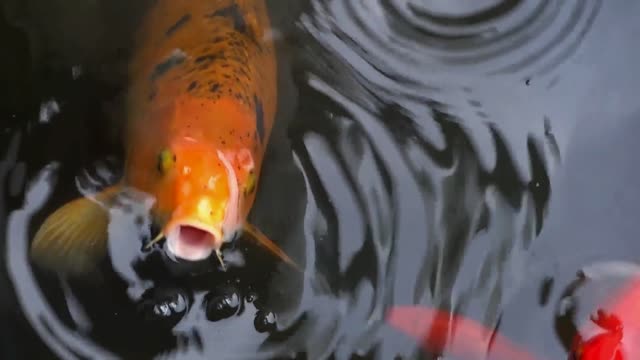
{"x":489,"y":37}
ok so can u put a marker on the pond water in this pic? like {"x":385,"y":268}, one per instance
{"x":467,"y":155}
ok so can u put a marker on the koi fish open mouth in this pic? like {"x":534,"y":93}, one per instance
{"x":191,"y":242}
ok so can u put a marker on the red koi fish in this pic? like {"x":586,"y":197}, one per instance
{"x":438,"y":330}
{"x":616,"y":343}
{"x":604,"y":346}
{"x":200,"y":111}
{"x":432,"y":327}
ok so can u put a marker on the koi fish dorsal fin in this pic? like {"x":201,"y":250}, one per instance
{"x":73,"y":239}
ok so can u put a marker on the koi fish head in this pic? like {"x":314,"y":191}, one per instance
{"x":202,"y":188}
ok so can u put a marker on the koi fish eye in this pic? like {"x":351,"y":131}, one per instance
{"x":166,"y":161}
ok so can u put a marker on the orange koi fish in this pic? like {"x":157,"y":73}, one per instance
{"x":200,"y":110}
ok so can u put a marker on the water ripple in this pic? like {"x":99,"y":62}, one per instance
{"x":393,"y":219}
{"x":487,"y":37}
{"x":421,"y":185}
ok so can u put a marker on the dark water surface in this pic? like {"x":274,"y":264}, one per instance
{"x":468,"y":155}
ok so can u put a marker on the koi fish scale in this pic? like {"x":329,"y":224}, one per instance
{"x":208,"y":51}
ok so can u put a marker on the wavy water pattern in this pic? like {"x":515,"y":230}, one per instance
{"x":417,"y":170}
{"x":490,"y":37}
{"x":408,"y":217}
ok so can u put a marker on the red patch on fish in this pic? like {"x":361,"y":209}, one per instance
{"x":439,"y":331}
{"x":617,"y":342}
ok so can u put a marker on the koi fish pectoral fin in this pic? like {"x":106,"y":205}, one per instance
{"x":263,"y":240}
{"x":73,"y":239}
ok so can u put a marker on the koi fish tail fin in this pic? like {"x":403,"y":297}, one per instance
{"x":73,"y":239}
{"x":263,"y":240}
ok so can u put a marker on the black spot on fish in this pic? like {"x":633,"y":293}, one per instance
{"x":176,"y":58}
{"x":203,"y":58}
{"x":259,"y":118}
{"x":180,"y":23}
{"x":152,"y":94}
{"x":217,"y":39}
{"x":209,"y":57}
{"x":192,"y":86}
{"x":215,"y":87}
{"x":233,"y":12}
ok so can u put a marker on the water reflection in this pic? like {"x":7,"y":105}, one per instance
{"x":441,"y":230}
{"x":417,"y":169}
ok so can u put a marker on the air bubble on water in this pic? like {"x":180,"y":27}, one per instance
{"x":162,"y":310}
{"x":48,"y":109}
{"x":76,"y":71}
{"x":179,"y":304}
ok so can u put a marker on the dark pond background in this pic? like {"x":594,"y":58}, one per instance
{"x":468,"y":155}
